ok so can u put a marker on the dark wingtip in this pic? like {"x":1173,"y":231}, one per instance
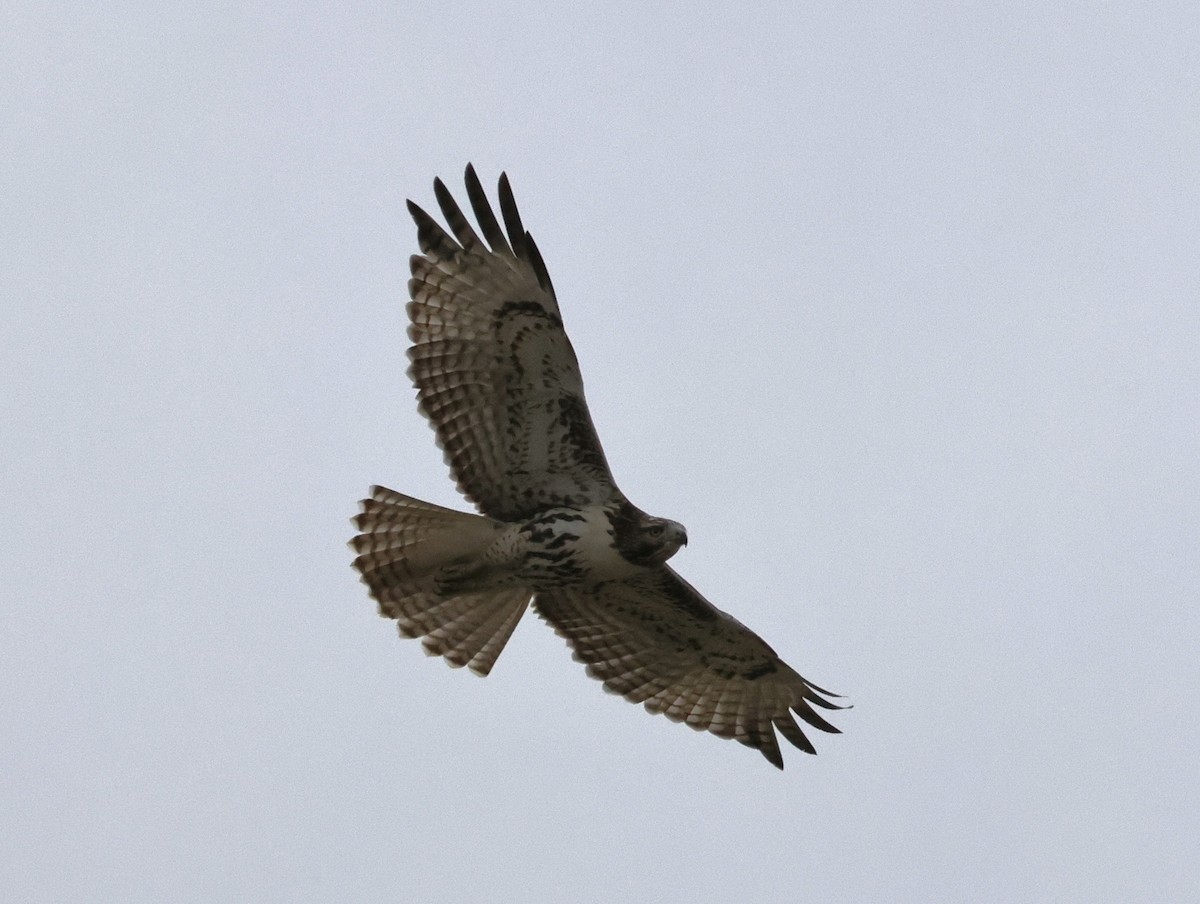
{"x":809,"y":715}
{"x":444,"y":198}
{"x":512,"y":218}
{"x":483,"y":213}
{"x":821,"y":690}
{"x":828,"y":704}
{"x":543,"y":276}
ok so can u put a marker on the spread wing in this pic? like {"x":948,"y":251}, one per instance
{"x":495,"y":372}
{"x":655,"y":640}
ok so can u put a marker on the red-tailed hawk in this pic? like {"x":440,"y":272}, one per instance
{"x":498,"y":380}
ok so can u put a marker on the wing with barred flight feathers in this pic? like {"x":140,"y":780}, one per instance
{"x":495,"y":372}
{"x":655,"y":640}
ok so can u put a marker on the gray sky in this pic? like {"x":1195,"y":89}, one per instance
{"x":896,"y":307}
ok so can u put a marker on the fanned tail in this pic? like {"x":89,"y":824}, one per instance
{"x":402,"y":546}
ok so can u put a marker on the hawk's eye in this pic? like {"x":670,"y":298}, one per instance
{"x":655,"y":530}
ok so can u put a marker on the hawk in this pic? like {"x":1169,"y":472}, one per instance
{"x":499,"y":382}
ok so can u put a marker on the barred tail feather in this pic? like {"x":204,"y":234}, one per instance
{"x":402,"y":545}
{"x":470,"y":629}
{"x":406,"y":541}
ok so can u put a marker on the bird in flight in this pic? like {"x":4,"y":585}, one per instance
{"x":498,"y":380}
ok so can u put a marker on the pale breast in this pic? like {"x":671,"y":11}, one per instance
{"x":571,"y":546}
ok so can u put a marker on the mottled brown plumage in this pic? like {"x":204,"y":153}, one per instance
{"x":499,"y":382}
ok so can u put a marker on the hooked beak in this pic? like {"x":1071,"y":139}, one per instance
{"x":680,"y":532}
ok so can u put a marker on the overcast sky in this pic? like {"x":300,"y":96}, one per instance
{"x":895,"y":306}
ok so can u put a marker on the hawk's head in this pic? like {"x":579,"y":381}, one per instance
{"x":643,"y":539}
{"x":662,"y":537}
